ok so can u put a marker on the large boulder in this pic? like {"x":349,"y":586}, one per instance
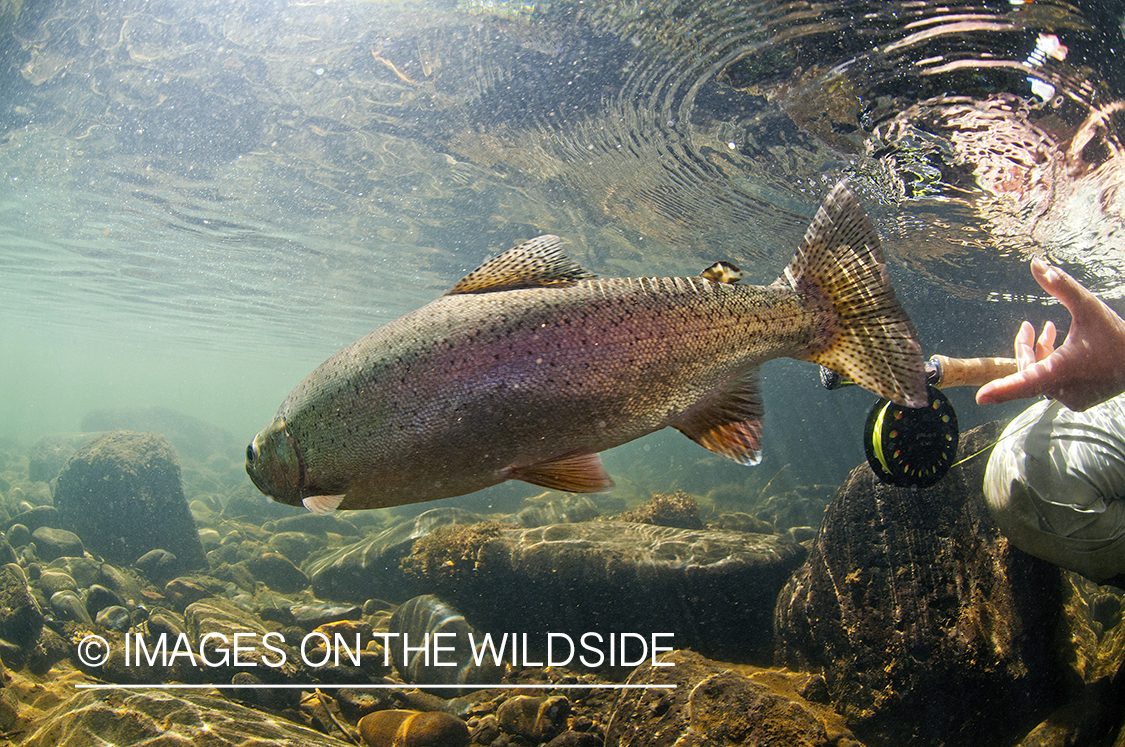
{"x":929,"y":626}
{"x":714,"y":591}
{"x":371,"y":567}
{"x":121,"y":493}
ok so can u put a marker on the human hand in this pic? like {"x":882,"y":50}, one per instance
{"x":1087,"y":369}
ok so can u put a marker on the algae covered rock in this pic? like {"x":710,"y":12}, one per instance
{"x":121,"y":493}
{"x":929,"y":626}
{"x":371,"y":567}
{"x":713,"y":591}
{"x":714,"y":704}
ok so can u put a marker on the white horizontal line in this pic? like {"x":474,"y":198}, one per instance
{"x":264,"y":686}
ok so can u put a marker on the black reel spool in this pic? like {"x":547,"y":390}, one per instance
{"x":912,"y":447}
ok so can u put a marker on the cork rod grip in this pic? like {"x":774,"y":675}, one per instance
{"x":971,"y":371}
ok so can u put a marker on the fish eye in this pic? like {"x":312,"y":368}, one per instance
{"x":250,"y":453}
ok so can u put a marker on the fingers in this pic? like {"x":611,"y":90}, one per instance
{"x":1062,"y":286}
{"x":1046,"y":344}
{"x":1025,"y":346}
{"x":1025,"y":383}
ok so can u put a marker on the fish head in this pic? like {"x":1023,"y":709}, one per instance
{"x":274,"y":463}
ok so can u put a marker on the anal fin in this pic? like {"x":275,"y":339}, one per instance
{"x":729,"y":422}
{"x":576,"y":472}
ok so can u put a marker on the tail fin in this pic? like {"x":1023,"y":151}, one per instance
{"x":864,"y":332}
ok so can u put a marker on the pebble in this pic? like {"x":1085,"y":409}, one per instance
{"x":52,"y":581}
{"x":413,"y":729}
{"x":210,"y":539}
{"x":98,"y":598}
{"x":309,"y":616}
{"x":114,"y":618}
{"x":18,"y":535}
{"x":56,"y":543}
{"x":294,"y":545}
{"x":159,"y":565}
{"x":35,"y":517}
{"x":68,"y":606}
{"x":537,"y":718}
{"x":277,"y":572}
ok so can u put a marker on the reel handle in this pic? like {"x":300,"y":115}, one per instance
{"x":968,"y":371}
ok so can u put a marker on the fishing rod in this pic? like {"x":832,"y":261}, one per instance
{"x":915,"y":446}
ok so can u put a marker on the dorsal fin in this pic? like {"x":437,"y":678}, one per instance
{"x":538,"y":263}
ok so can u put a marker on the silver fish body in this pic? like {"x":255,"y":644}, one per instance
{"x":529,"y":367}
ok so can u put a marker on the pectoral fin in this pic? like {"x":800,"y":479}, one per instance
{"x":322,"y":504}
{"x":729,"y":422}
{"x":573,"y":473}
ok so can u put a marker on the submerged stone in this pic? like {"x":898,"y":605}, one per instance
{"x":398,"y":728}
{"x":713,"y":591}
{"x":421,"y":619}
{"x":929,"y":626}
{"x":370,"y":568}
{"x":121,"y":493}
{"x":716,"y":705}
{"x":119,"y":717}
{"x":56,"y":543}
{"x":20,"y":616}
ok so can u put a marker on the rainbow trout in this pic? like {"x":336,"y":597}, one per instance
{"x":530,"y":366}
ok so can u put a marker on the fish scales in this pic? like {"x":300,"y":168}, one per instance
{"x":529,"y":367}
{"x":516,"y":377}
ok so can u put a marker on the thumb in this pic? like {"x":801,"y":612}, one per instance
{"x":1059,"y":284}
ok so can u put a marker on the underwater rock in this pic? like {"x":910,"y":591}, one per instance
{"x":56,"y":543}
{"x":420,"y":619}
{"x":576,"y":739}
{"x":114,"y":617}
{"x":191,"y":436}
{"x":119,"y":717}
{"x":539,"y":718}
{"x":310,"y":616}
{"x":678,"y":509}
{"x":53,"y":581}
{"x":121,"y":493}
{"x":159,"y":565}
{"x":67,"y":605}
{"x":39,"y":516}
{"x":7,"y":552}
{"x":182,"y":592}
{"x":277,"y":572}
{"x":317,"y":524}
{"x":714,"y":704}
{"x":17,"y":535}
{"x":413,"y":729}
{"x":212,"y":625}
{"x":714,"y":591}
{"x":99,"y":597}
{"x":20,"y":616}
{"x":370,"y":567}
{"x":294,"y":545}
{"x":51,"y":453}
{"x":929,"y":626}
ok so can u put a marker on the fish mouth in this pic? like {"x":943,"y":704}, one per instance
{"x":274,"y":464}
